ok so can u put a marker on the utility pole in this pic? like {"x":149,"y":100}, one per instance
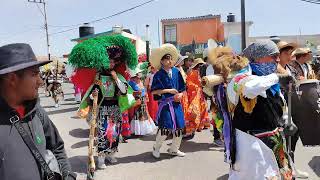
{"x":45,"y":22}
{"x":46,"y":28}
{"x":243,"y":25}
{"x":147,"y":43}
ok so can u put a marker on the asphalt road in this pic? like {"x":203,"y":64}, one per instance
{"x":135,"y":162}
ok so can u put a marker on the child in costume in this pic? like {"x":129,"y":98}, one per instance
{"x":96,"y":61}
{"x":141,"y":122}
{"x":168,"y":87}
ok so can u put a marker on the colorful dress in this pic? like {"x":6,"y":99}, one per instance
{"x":170,"y":116}
{"x":125,"y":129}
{"x":109,"y":119}
{"x":141,"y":122}
{"x":197,"y":115}
{"x":151,"y":104}
{"x":258,"y":107}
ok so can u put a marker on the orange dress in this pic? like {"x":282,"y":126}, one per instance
{"x":197,"y":117}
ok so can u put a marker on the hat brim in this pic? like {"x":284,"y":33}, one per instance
{"x":22,"y":66}
{"x":134,"y":74}
{"x":196,"y":64}
{"x":158,"y":53}
{"x":294,"y":45}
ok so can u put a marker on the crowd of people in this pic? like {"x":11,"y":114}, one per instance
{"x":245,"y":98}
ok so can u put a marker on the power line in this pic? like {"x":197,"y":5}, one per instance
{"x":312,"y":1}
{"x":130,"y":9}
{"x":40,"y":9}
{"x":104,"y":18}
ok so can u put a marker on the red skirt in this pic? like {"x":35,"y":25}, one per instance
{"x":152,"y":106}
{"x":125,"y":127}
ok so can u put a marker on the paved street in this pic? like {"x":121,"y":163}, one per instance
{"x":203,"y":161}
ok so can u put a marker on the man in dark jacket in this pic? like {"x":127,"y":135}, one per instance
{"x":19,"y":82}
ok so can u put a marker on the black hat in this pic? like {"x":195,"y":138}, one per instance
{"x":15,"y":57}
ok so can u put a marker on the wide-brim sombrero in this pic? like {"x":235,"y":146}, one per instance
{"x":158,"y":53}
{"x":196,"y":62}
{"x":283,"y":44}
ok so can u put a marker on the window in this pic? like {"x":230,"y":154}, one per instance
{"x":170,"y":33}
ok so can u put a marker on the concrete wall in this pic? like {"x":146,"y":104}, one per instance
{"x":232,"y":34}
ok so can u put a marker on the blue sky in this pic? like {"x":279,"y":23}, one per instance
{"x":21,"y":20}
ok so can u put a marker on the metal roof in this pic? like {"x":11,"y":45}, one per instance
{"x":93,"y":35}
{"x":209,"y":16}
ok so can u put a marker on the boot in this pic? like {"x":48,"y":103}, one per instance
{"x":158,"y":144}
{"x":174,"y":149}
{"x":101,"y":162}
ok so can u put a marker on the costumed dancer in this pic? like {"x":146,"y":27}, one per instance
{"x":197,"y":117}
{"x":188,"y":134}
{"x":141,"y":122}
{"x":151,"y":103}
{"x":95,"y":61}
{"x":168,"y":87}
{"x":125,"y":129}
{"x":209,"y":81}
{"x":55,"y":81}
{"x":184,"y":101}
{"x":256,"y":95}
{"x":77,"y":91}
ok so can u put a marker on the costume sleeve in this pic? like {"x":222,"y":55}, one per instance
{"x":253,"y":86}
{"x":134,"y":86}
{"x":55,"y":143}
{"x":122,"y":86}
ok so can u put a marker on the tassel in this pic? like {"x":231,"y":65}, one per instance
{"x":248,"y":104}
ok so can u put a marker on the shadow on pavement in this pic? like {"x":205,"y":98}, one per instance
{"x":79,"y":133}
{"x":62,"y":111}
{"x":70,"y":99}
{"x":68,"y":93}
{"x":315,"y":165}
{"x":148,"y":137}
{"x":224,"y":177}
{"x":190,"y":146}
{"x":45,"y":107}
{"x":80,"y":144}
{"x":79,"y":163}
{"x":145,"y":157}
{"x":65,"y":104}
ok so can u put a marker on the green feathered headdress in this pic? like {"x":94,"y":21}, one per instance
{"x":92,"y":53}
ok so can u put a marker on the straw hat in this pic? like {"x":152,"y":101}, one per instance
{"x":181,"y":60}
{"x":196,"y":62}
{"x":283,"y":44}
{"x":301,"y":51}
{"x":135,"y":71}
{"x":217,"y":52}
{"x":158,"y":53}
